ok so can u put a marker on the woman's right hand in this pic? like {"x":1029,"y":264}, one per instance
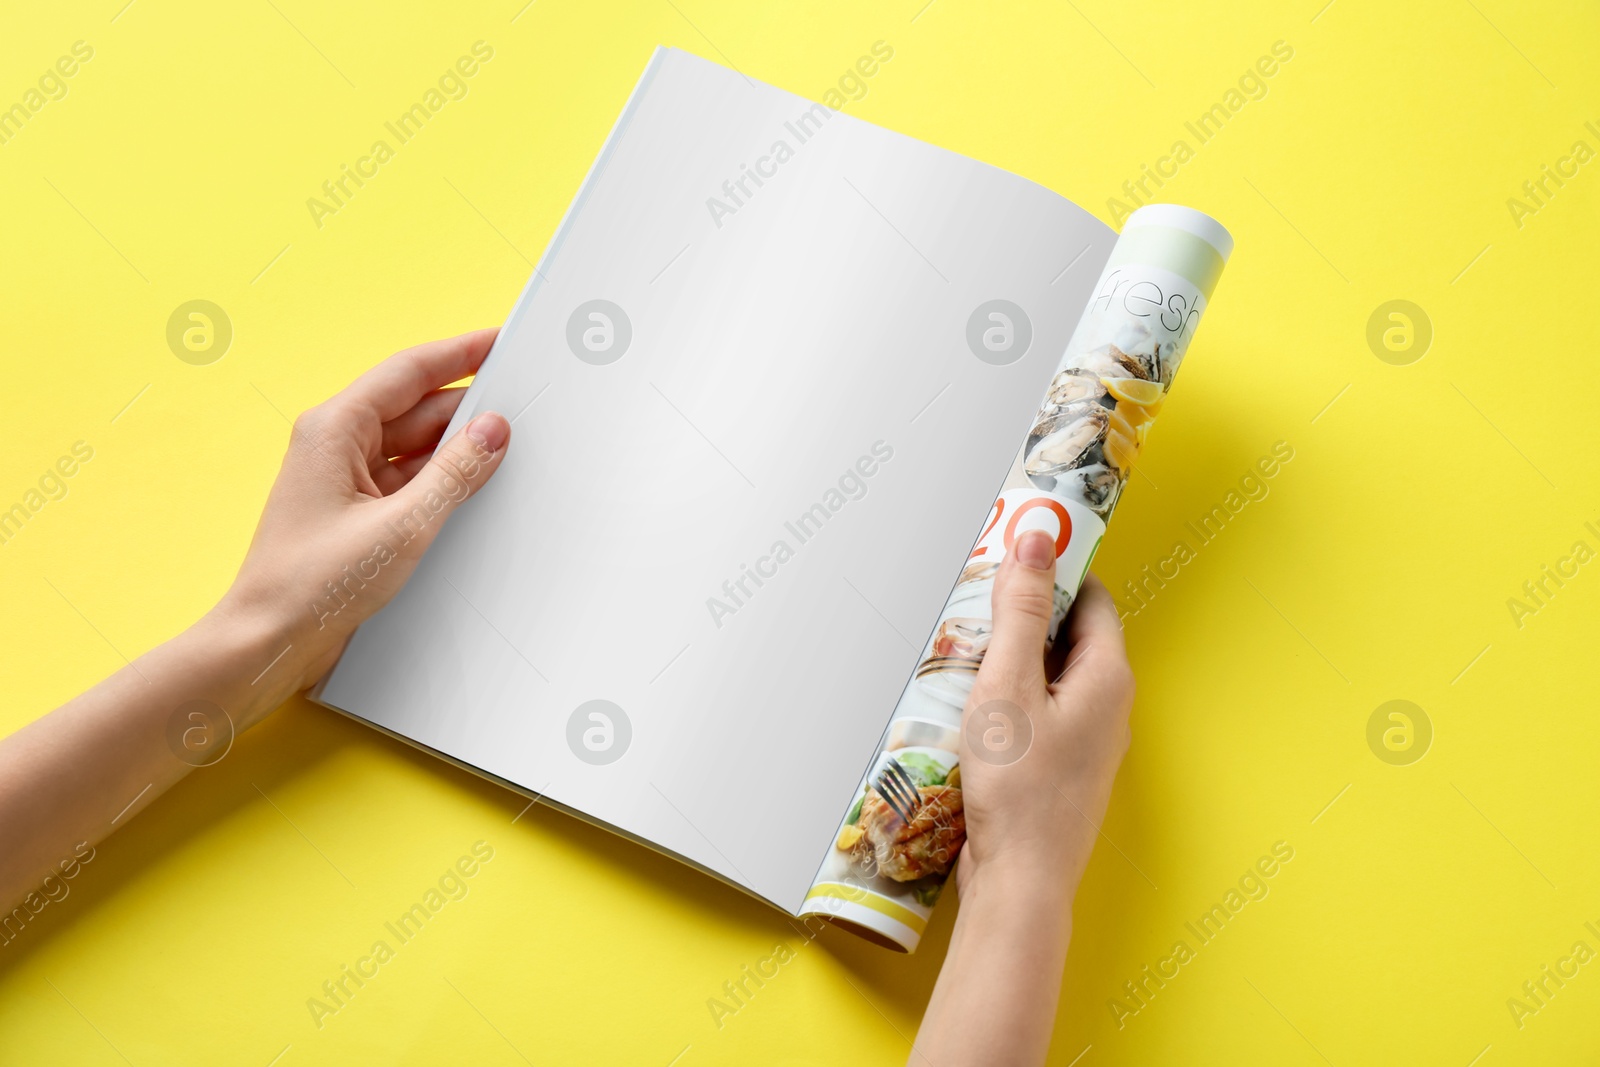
{"x":1037,"y":762}
{"x":1038,"y":758}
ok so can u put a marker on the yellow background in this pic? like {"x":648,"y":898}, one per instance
{"x":1377,"y":167}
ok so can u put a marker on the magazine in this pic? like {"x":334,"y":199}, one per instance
{"x":903,"y":831}
{"x":774,"y":373}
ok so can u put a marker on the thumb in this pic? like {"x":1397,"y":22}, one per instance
{"x":1024,"y":600}
{"x":459,"y":468}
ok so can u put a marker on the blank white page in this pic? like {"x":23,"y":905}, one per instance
{"x":772,"y":347}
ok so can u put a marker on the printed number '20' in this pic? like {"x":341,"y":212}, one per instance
{"x":1064,"y":521}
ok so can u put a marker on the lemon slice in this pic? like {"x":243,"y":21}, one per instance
{"x":1121,"y":451}
{"x":1134,"y":390}
{"x":1135,"y":415}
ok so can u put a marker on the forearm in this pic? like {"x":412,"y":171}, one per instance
{"x":88,"y":767}
{"x":995,"y":1001}
{"x":359,"y":467}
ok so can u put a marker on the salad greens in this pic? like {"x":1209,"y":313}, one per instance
{"x":923,"y":768}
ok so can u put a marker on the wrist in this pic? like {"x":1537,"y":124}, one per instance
{"x":1011,"y":935}
{"x":250,"y":608}
{"x":257,"y":654}
{"x":1037,"y":896}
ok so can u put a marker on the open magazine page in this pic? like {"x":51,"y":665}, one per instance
{"x":905,"y":825}
{"x":723,"y":392}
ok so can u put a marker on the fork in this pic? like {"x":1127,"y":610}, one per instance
{"x":899,"y":790}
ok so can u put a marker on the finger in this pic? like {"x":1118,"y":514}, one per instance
{"x":1023,"y":601}
{"x":395,"y":386}
{"x":1094,"y":619}
{"x":390,"y":474}
{"x":1098,"y":659}
{"x":386,"y":478}
{"x":452,"y":475}
{"x":420,"y":428}
{"x":408,"y":466}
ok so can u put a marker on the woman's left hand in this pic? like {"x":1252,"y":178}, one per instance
{"x":361,"y":495}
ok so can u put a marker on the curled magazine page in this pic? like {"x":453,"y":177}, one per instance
{"x":905,"y":826}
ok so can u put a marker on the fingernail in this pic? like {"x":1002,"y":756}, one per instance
{"x":489,"y":431}
{"x":1036,"y":549}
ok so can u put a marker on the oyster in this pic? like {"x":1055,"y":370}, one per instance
{"x":1071,"y":438}
{"x":1099,"y":487}
{"x":1109,"y":361}
{"x":1069,"y":387}
{"x":1096,"y":485}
